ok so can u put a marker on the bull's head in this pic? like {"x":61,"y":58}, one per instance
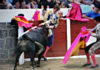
{"x":45,"y":29}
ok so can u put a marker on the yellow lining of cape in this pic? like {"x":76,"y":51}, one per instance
{"x":79,"y":45}
{"x":18,"y":19}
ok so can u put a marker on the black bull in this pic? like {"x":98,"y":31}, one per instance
{"x":31,"y":43}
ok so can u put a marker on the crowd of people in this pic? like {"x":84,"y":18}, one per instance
{"x":31,"y":4}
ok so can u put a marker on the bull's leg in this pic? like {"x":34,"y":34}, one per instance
{"x":39,"y":58}
{"x":18,"y":53}
{"x":31,"y":54}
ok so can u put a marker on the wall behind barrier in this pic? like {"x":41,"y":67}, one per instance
{"x":6,"y":15}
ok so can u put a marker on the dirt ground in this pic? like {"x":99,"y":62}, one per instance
{"x":73,"y":64}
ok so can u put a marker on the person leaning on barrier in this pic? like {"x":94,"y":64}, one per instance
{"x":92,"y":14}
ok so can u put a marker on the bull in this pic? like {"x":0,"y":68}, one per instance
{"x":35,"y":41}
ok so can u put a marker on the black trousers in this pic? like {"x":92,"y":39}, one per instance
{"x":88,"y":47}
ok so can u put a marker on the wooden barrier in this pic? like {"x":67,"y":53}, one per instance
{"x":59,"y":47}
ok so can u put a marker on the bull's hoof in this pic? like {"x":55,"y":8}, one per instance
{"x":38,"y":65}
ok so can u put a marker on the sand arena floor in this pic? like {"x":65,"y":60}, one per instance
{"x":73,"y":64}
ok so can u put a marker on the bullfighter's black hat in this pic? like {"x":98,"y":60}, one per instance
{"x":21,"y":14}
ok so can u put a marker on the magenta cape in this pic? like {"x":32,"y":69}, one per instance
{"x":67,"y":55}
{"x":75,"y":13}
{"x":36,"y":15}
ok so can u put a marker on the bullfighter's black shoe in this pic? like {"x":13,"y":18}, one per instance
{"x":95,"y":66}
{"x":45,"y":59}
{"x":85,"y":65}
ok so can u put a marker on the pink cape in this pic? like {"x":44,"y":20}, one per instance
{"x":25,"y":25}
{"x":23,"y":22}
{"x":67,"y":55}
{"x":35,"y":16}
{"x":75,"y":13}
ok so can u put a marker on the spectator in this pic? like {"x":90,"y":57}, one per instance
{"x":67,"y":3}
{"x":97,"y":3}
{"x":17,"y":5}
{"x":53,"y":3}
{"x":9,"y":3}
{"x":48,"y":3}
{"x":9,"y":6}
{"x":43,"y":1}
{"x":61,"y":0}
{"x":58,"y":2}
{"x":62,"y":4}
{"x":3,"y":4}
{"x":43,"y":14}
{"x":86,"y":5}
{"x":35,"y":4}
{"x":44,"y":4}
{"x":27,"y":1}
{"x":14,"y":1}
{"x":88,"y":2}
{"x":93,"y":14}
{"x":31,"y":4}
{"x":20,"y":1}
{"x":39,"y":3}
{"x":23,"y":5}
